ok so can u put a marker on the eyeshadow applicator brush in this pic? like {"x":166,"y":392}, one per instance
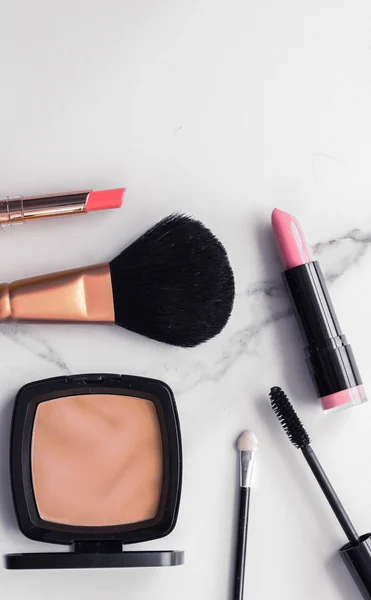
{"x":247,"y":445}
{"x":173,"y":284}
{"x":357,"y":553}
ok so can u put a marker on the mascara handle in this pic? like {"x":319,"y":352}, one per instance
{"x":241,"y":543}
{"x":330,"y":494}
{"x":357,"y":558}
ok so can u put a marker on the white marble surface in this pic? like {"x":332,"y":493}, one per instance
{"x":222,"y":110}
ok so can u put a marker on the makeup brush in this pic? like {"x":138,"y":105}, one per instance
{"x":357,"y":553}
{"x":173,"y":284}
{"x":247,"y":445}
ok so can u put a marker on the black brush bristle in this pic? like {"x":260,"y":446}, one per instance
{"x":288,"y":418}
{"x":174,"y":284}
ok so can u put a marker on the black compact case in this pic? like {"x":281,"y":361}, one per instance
{"x":94,"y":547}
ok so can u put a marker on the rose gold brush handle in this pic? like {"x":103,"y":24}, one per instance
{"x":76,"y":296}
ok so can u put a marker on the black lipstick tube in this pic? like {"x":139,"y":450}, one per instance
{"x":329,"y":357}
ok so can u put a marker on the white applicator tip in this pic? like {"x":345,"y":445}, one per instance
{"x":247,"y":442}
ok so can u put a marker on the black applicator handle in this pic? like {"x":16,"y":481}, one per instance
{"x":331,"y":495}
{"x":243,"y":520}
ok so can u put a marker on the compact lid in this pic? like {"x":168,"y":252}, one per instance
{"x":357,"y":558}
{"x":94,"y":555}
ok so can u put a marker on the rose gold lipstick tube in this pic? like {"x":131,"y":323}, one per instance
{"x":19,"y":209}
{"x":74,"y":296}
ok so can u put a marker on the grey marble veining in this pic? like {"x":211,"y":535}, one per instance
{"x":15,"y":333}
{"x":269,"y":295}
{"x":359,"y":246}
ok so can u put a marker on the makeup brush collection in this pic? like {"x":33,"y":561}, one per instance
{"x":96,"y":459}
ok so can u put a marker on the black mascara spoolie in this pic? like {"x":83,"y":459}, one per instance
{"x":357,"y":552}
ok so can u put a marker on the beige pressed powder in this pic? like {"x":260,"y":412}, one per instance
{"x":97,"y":460}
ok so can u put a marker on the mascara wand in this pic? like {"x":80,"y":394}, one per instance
{"x":357,"y":553}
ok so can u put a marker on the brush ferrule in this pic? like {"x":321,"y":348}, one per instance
{"x":75,"y":296}
{"x":247,"y":458}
